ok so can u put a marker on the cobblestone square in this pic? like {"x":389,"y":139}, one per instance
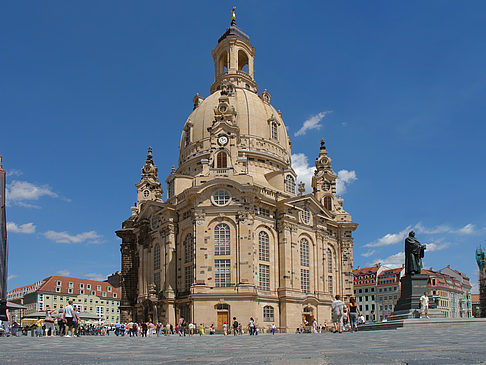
{"x":435,"y":344}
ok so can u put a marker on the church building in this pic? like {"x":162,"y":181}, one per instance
{"x":233,"y":237}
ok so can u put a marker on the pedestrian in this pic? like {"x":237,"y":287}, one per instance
{"x":167,"y":329}
{"x":225,"y":328}
{"x":144,"y":329}
{"x":273,"y":328}
{"x":314,"y":326}
{"x":353,"y":313}
{"x":69,"y":316}
{"x":158,"y":328}
{"x":38,"y":328}
{"x":49,"y":322}
{"x":345,"y":318}
{"x":424,"y":305}
{"x":60,"y":322}
{"x":212,"y":330}
{"x":251,"y":326}
{"x":235,"y":326}
{"x":201,"y":330}
{"x":337,"y":311}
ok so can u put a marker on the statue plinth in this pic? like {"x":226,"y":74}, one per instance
{"x":408,"y":306}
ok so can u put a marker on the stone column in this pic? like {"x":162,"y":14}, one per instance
{"x":129,"y":272}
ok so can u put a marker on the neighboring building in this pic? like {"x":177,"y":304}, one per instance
{"x":388,"y":291}
{"x":451,"y":291}
{"x":115,"y":280}
{"x":475,"y":305}
{"x":234,"y":238}
{"x":365,"y":290}
{"x":54,"y":292}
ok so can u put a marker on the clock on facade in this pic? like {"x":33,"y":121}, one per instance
{"x":223,"y":140}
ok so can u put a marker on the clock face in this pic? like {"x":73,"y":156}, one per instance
{"x":223,"y":140}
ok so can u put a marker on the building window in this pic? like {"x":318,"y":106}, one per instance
{"x":327,"y":203}
{"x":221,"y":160}
{"x":114,"y":295}
{"x":329,"y":262}
{"x":170,"y":189}
{"x":98,"y":287}
{"x":71,"y":285}
{"x":109,"y":289}
{"x":268,"y":314}
{"x":70,"y":290}
{"x":187,"y":138}
{"x":305,"y":216}
{"x":264,"y":277}
{"x":329,"y":285}
{"x":222,"y":242}
{"x":58,"y":283}
{"x":81,"y":286}
{"x":81,"y":291}
{"x":221,"y":198}
{"x":274,"y":131}
{"x":88,"y":286}
{"x":188,"y":276}
{"x":222,"y":273}
{"x":103,"y":294}
{"x":156,"y":282}
{"x":58,"y":290}
{"x":304,"y":280}
{"x":157,"y":257}
{"x":290,"y":184}
{"x":188,"y":248}
{"x":93,"y":292}
{"x":304,"y":252}
{"x":263,"y":246}
{"x":100,"y":311}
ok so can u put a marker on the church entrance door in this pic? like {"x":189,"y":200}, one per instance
{"x":222,"y":317}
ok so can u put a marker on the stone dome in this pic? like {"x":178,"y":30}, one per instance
{"x":260,"y":125}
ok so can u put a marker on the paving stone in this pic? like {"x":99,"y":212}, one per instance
{"x":424,"y":345}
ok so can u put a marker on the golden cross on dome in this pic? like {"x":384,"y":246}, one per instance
{"x":233,"y":15}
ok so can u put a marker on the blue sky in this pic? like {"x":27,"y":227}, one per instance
{"x":397,"y":89}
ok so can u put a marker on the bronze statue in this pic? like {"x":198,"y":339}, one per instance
{"x":414,"y":252}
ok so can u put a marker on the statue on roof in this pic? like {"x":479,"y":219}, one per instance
{"x":414,"y":252}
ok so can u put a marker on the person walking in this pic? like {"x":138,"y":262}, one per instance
{"x":353,"y":314}
{"x":201,"y":330}
{"x":68,"y":316}
{"x":49,"y":323}
{"x":60,"y":322}
{"x":235,"y":326}
{"x":424,"y":305}
{"x":337,"y":311}
{"x":251,"y":326}
{"x":144,"y":329}
{"x":225,"y":328}
{"x":273,"y":328}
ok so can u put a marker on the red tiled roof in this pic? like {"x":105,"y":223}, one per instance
{"x":366,"y":270}
{"x":50,"y":285}
{"x":22,"y":287}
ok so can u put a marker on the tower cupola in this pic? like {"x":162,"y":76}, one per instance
{"x":233,"y":59}
{"x":149,"y":187}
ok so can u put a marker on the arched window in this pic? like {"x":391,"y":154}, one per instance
{"x":304,"y":252}
{"x":329,"y":261}
{"x":242,"y":61}
{"x":263,"y":246}
{"x":274,"y":131}
{"x":327,"y":203}
{"x":221,"y":160}
{"x":157,"y":257}
{"x":222,"y":242}
{"x":290,"y":184}
{"x":187,"y":137}
{"x":268,"y":314}
{"x":223,"y":62}
{"x":188,"y":248}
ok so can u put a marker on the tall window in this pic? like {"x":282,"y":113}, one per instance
{"x":329,"y":261}
{"x":274,"y":131}
{"x":304,"y":252}
{"x":304,"y":280}
{"x":222,"y":273}
{"x":264,"y":277}
{"x":263,"y":246}
{"x":170,"y":189}
{"x":268,"y":314}
{"x":329,"y":285}
{"x":327,"y":203}
{"x":188,"y":248}
{"x":188,"y":276}
{"x":290,"y":184}
{"x":222,"y":242}
{"x":187,"y":137}
{"x":157,"y":257}
{"x":221,"y":160}
{"x":157,"y":281}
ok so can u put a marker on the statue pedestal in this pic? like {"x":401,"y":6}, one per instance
{"x":408,"y":306}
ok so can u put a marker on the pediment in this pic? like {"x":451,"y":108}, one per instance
{"x":310,"y":202}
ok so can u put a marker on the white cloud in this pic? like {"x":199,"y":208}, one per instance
{"x":393,"y":261}
{"x":390,"y":238}
{"x":27,"y":228}
{"x":475,"y":287}
{"x":368,"y":253}
{"x":467,"y":229}
{"x":302,"y":169}
{"x":11,"y":277}
{"x":14,"y":172}
{"x":63,"y":273}
{"x":431,"y":247}
{"x":23,"y":190}
{"x":64,"y":237}
{"x":96,"y":276}
{"x":344,"y":178}
{"x":312,"y":123}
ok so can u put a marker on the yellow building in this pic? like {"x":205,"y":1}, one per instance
{"x":233,"y":237}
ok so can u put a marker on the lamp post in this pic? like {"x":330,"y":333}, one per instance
{"x":3,"y":247}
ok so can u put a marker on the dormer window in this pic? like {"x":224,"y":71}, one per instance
{"x":274,"y":131}
{"x":221,"y":160}
{"x":327,"y":202}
